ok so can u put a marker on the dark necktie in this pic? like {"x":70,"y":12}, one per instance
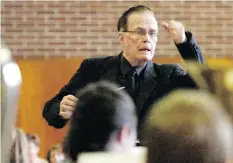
{"x":132,"y":82}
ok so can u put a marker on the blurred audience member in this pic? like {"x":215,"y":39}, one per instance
{"x":104,"y":120}
{"x":55,"y":154}
{"x":188,"y":127}
{"x":34,"y":148}
{"x":20,"y":148}
{"x":216,"y":80}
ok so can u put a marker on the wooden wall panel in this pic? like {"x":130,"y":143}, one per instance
{"x":42,"y":79}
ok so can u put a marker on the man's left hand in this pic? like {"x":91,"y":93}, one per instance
{"x":176,"y":31}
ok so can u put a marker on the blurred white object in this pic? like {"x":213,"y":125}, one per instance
{"x":137,"y":155}
{"x":10,"y":87}
{"x":11,"y":74}
{"x":5,"y":55}
{"x":59,"y":157}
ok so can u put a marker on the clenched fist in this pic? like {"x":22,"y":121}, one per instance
{"x":67,"y":106}
{"x":176,"y":31}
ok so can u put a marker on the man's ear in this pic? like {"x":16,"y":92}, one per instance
{"x":121,"y":38}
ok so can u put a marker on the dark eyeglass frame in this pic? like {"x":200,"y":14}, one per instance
{"x":142,"y":33}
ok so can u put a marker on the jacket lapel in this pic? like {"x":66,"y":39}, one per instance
{"x":111,"y":71}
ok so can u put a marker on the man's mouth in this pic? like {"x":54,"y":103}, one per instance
{"x":145,"y":50}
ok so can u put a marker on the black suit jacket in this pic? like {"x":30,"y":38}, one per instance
{"x":159,"y":80}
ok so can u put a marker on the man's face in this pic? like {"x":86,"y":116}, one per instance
{"x":140,"y":42}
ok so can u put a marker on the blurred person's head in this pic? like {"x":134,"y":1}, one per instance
{"x":216,"y":79}
{"x":55,"y":154}
{"x":138,"y":30}
{"x":188,"y":126}
{"x":104,"y":120}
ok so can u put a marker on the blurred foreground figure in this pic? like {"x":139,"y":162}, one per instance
{"x":16,"y":145}
{"x":188,"y":127}
{"x":103,"y":120}
{"x":10,"y":88}
{"x":34,"y":148}
{"x":215,"y":80}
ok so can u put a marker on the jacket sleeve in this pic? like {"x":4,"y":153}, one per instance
{"x":189,"y":50}
{"x":52,"y":107}
{"x":180,"y":79}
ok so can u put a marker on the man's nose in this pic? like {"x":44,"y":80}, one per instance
{"x":146,"y":37}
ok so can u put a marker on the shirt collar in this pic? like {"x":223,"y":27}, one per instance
{"x":126,"y":67}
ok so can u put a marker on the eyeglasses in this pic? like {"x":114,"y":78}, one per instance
{"x":141,"y":33}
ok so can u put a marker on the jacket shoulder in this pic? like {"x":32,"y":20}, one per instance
{"x":100,"y":60}
{"x":168,"y":68}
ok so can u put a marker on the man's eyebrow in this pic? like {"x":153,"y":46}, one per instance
{"x":140,"y":28}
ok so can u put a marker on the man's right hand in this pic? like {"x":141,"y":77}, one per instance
{"x":67,"y":106}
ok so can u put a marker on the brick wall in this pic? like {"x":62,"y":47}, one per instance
{"x":78,"y":28}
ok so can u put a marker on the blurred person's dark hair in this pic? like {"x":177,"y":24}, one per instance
{"x":188,"y":126}
{"x":122,"y":22}
{"x":102,"y":113}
